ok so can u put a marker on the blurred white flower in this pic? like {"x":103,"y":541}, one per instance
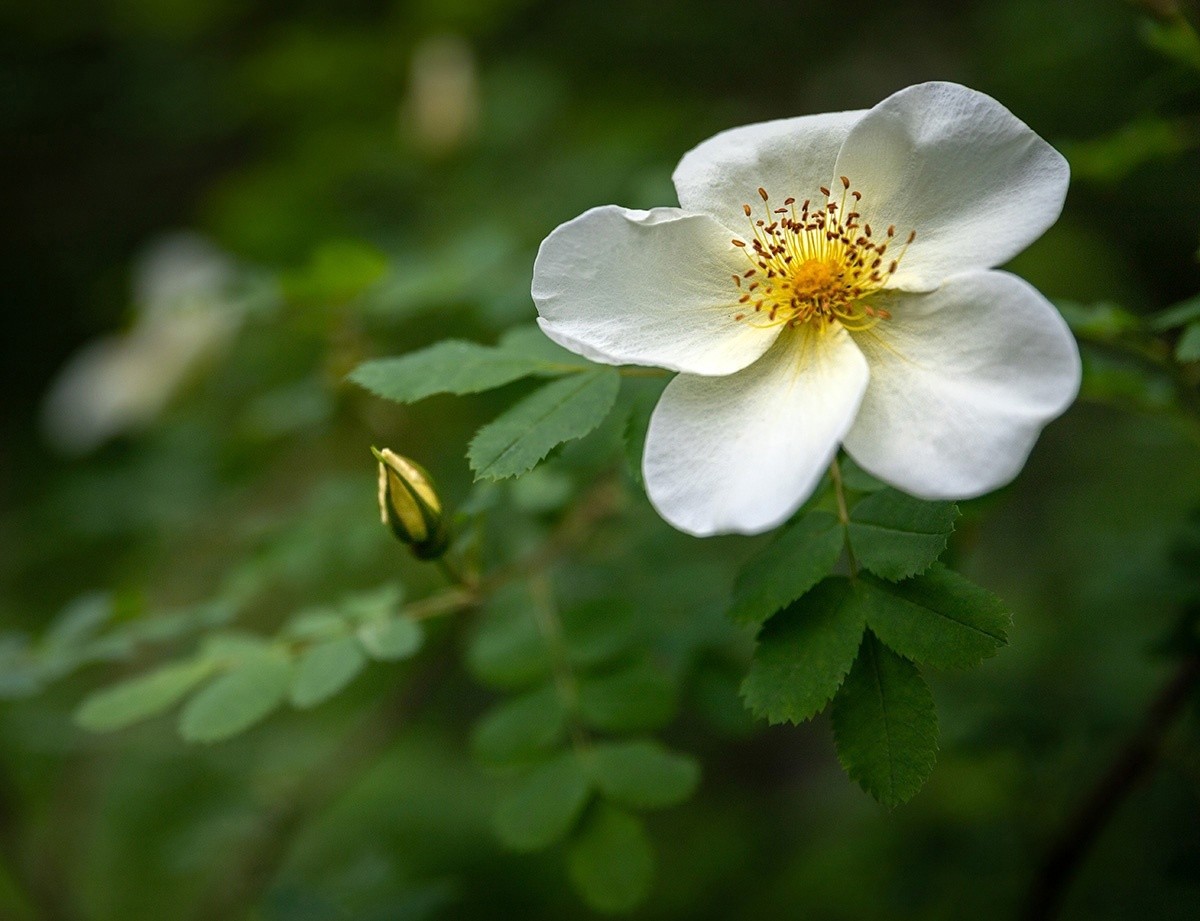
{"x":442,"y":107}
{"x":120,"y":383}
{"x":827,"y":280}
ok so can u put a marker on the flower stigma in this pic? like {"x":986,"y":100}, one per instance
{"x":815,"y":266}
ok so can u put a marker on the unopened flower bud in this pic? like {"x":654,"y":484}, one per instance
{"x":410,"y":506}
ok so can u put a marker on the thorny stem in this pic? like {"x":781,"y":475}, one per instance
{"x":1132,"y":763}
{"x":835,"y":474}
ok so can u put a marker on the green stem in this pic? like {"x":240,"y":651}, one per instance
{"x":839,"y":490}
{"x":565,"y":683}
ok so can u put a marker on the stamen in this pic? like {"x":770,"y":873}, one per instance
{"x":820,"y":267}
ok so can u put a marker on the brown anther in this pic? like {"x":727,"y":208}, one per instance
{"x":831,"y":207}
{"x":780,"y":211}
{"x":824,"y":191}
{"x":748,"y":273}
{"x":753,"y":285}
{"x":912,"y":236}
{"x":740,"y":316}
{"x":892,"y":267}
{"x":883,"y":313}
{"x":762,"y":193}
{"x":892,"y":230}
{"x":737,"y":243}
{"x":745,"y":298}
{"x":857,"y":195}
{"x":748,"y":210}
{"x":759,"y":222}
{"x":867,"y":229}
{"x":737,"y":279}
{"x":789,"y":201}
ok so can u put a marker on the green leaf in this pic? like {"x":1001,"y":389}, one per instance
{"x":455,"y":367}
{"x":644,"y":775}
{"x":562,"y":411}
{"x":800,"y":556}
{"x":896,"y":536}
{"x":238,"y":699}
{"x":598,"y":632}
{"x":545,"y":806}
{"x":142,"y":697}
{"x":610,"y":862}
{"x":326,"y":668}
{"x":1178,"y":315}
{"x":635,"y":698}
{"x":528,"y":341}
{"x":940,"y":618}
{"x":392,"y":639}
{"x":804,"y":653}
{"x":634,"y":433}
{"x":507,"y":650}
{"x":521,"y":728}
{"x":885,"y":725}
{"x":856,"y":479}
{"x":1188,"y":346}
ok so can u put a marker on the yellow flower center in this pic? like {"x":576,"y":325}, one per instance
{"x":818,"y":266}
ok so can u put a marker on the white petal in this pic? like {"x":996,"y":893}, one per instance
{"x":646,"y":288}
{"x":974,"y":182}
{"x":787,"y":157}
{"x":742,"y":453}
{"x":962,"y":381}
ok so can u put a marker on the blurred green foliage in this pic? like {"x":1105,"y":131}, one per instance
{"x":375,"y":177}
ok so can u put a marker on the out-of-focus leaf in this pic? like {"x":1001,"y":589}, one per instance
{"x":885,"y":724}
{"x":238,"y":699}
{"x":1188,"y":346}
{"x":630,"y":700}
{"x":644,"y":774}
{"x":544,"y":807}
{"x":1178,"y":315}
{"x":804,"y":653}
{"x":338,"y":271}
{"x":326,"y":668}
{"x":561,"y":411}
{"x":140,"y":698}
{"x":610,"y":861}
{"x":798,"y":558}
{"x":1098,"y":321}
{"x":520,"y":728}
{"x":940,"y":618}
{"x":392,"y":639}
{"x":1114,"y":156}
{"x":896,"y":536}
{"x":598,"y":632}
{"x":507,"y":650}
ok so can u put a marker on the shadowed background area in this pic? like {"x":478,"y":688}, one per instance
{"x":214,"y":210}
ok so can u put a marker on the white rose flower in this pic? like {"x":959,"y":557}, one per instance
{"x":828,"y":280}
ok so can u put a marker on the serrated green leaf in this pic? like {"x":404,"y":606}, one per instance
{"x":885,"y":725}
{"x":455,"y":367}
{"x":545,"y":806}
{"x":140,"y":698}
{"x":644,"y":775}
{"x":896,"y":536}
{"x":801,"y":555}
{"x":804,"y":653}
{"x":392,"y":639}
{"x":561,"y":411}
{"x":519,"y":729}
{"x":856,"y":479}
{"x":940,"y":618}
{"x":630,"y":700}
{"x":326,"y":668}
{"x":1188,"y":346}
{"x":610,"y":861}
{"x":508,"y":650}
{"x":238,"y":699}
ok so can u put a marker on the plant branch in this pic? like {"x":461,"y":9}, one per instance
{"x":1133,"y":762}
